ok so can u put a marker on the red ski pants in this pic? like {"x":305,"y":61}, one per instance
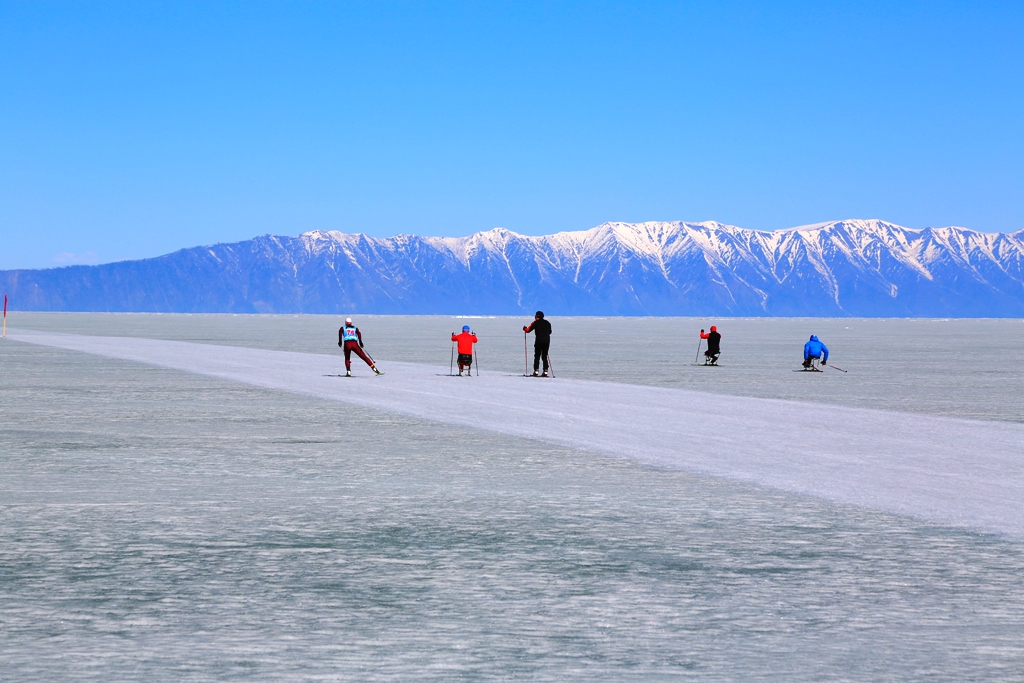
{"x":351,"y":346}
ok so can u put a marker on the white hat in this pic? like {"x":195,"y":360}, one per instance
{"x":348,"y":321}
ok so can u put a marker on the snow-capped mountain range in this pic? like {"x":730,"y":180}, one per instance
{"x":843,"y":268}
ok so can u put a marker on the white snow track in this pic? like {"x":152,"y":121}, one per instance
{"x":957,"y":472}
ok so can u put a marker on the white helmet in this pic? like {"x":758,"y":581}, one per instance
{"x":348,"y":321}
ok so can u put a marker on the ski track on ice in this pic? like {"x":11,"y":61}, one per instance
{"x":952,"y":471}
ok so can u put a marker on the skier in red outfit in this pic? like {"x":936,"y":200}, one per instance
{"x":351,"y":339}
{"x":465,"y":342}
{"x":714,"y":345}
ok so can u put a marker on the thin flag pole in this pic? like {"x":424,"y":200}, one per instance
{"x":5,"y":315}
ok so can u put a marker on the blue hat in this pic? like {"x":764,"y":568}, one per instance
{"x":465,"y":328}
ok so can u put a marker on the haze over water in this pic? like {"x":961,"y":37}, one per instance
{"x":158,"y":524}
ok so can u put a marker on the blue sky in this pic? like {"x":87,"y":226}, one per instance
{"x":131,"y":130}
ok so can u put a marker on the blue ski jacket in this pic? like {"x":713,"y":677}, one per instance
{"x":814,"y":348}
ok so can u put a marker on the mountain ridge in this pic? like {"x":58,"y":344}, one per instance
{"x":869,"y":268}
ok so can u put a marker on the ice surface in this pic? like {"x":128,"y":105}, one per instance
{"x":958,"y":472}
{"x":158,"y":524}
{"x":970,"y":369}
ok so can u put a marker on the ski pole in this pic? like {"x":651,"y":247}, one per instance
{"x":551,"y":365}
{"x":697,"y":357}
{"x":477,"y":357}
{"x":526,"y":358}
{"x":835,"y":368}
{"x":451,"y":363}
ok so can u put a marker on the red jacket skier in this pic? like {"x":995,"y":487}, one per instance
{"x":465,"y":345}
{"x":351,"y":339}
{"x":714,"y":345}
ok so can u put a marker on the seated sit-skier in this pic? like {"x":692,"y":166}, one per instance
{"x":351,"y":339}
{"x":714,"y":345}
{"x":814,"y":350}
{"x":465,"y":343}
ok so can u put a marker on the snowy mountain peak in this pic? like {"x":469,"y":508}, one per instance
{"x":848,"y":267}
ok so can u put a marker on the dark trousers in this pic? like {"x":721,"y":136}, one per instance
{"x":540,"y":352}
{"x":353,"y":347}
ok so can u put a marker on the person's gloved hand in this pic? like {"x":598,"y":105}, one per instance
{"x":361,"y":345}
{"x":339,"y":344}
{"x":524,"y":328}
{"x":702,"y":330}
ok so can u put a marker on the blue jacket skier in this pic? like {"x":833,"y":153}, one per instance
{"x":813,"y":350}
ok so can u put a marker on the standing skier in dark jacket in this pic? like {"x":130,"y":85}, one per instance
{"x":351,"y":339}
{"x":714,"y":345}
{"x":541,"y":329}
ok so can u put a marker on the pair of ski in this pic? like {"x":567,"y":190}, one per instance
{"x":820,"y":369}
{"x":376,"y":374}
{"x":373,"y":368}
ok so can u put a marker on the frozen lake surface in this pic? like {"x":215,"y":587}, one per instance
{"x":953,"y":471}
{"x":163,"y":524}
{"x":957,"y":368}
